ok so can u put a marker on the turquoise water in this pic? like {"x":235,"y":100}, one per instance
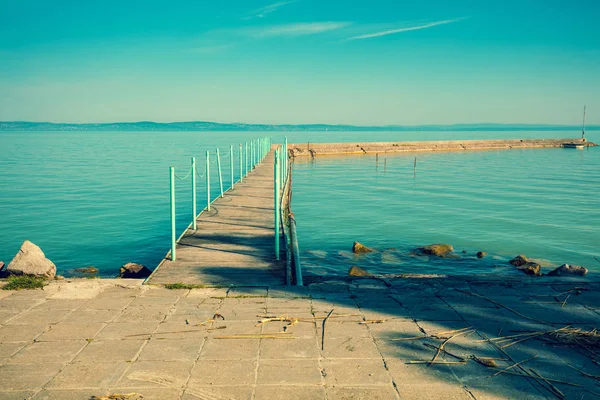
{"x":101,"y":198}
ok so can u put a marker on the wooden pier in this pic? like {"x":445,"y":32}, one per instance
{"x":233,"y":244}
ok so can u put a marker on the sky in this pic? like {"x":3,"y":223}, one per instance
{"x":375,"y":62}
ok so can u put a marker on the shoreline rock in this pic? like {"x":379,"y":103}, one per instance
{"x":358,"y":248}
{"x":481,"y":254}
{"x":358,"y":271}
{"x":519,"y":260}
{"x":531,"y":268}
{"x":30,"y":260}
{"x":437,"y":249}
{"x":134,"y":271}
{"x":87,"y":270}
{"x":569,"y":270}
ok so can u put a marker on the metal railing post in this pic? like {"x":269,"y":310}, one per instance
{"x":207,"y":181}
{"x":285,"y":159}
{"x":246,"y":159}
{"x":220,"y":173}
{"x":276,"y":203}
{"x":231,"y":165}
{"x":194,"y":214}
{"x":241,"y":164}
{"x":173,"y":229}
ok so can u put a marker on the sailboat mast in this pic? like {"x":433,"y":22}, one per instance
{"x":583,"y":126}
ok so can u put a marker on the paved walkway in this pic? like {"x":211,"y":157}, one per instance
{"x":84,"y":338}
{"x":234,"y":242}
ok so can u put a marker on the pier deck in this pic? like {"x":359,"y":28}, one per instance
{"x":234,"y":241}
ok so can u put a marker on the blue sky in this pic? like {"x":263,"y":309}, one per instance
{"x":373,"y":62}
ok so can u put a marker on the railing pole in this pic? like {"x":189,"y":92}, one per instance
{"x":276,"y":204}
{"x":173,"y":230}
{"x":285,"y":159}
{"x":194,"y":214}
{"x":246,"y":159}
{"x":207,"y":181}
{"x":253,"y":153}
{"x":231,"y":165}
{"x":220,"y":173}
{"x":241,"y":164}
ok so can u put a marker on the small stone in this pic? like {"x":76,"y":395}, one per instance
{"x":30,"y":260}
{"x":569,"y":270}
{"x":481,"y":254}
{"x":438,"y":249}
{"x":358,"y":248}
{"x":358,"y":271}
{"x":134,"y":271}
{"x":531,"y":268}
{"x":59,"y":278}
{"x":87,"y":270}
{"x":519,"y":260}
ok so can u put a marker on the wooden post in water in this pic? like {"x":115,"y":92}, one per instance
{"x":276,"y":202}
{"x":172,"y":196}
{"x":194,"y":214}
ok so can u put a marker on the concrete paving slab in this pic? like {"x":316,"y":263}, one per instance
{"x":8,"y":349}
{"x":61,"y":304}
{"x":355,"y":372}
{"x":7,"y":315}
{"x":438,"y":390}
{"x":110,"y":350}
{"x":289,"y":372}
{"x":223,"y":372}
{"x":156,"y":374}
{"x":78,"y":375}
{"x":168,"y":330}
{"x":291,"y":348}
{"x":172,"y":349}
{"x":16,"y":395}
{"x":218,"y":393}
{"x":230,"y":349}
{"x":74,"y":331}
{"x":301,"y":330}
{"x":91,"y":316}
{"x":128,"y":330}
{"x":350,"y":347}
{"x":39,"y":317}
{"x":69,"y":394}
{"x":49,"y":352}
{"x":290,"y":393}
{"x":27,"y":376}
{"x":162,"y":393}
{"x":143,"y":313}
{"x":21,"y":333}
{"x":108,"y":303}
{"x":341,"y":329}
{"x":361,"y":393}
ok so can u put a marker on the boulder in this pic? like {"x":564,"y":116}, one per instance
{"x":87,"y":270}
{"x":358,"y":271}
{"x":569,"y":270}
{"x":531,"y":268}
{"x":481,"y":254}
{"x":134,"y":271}
{"x":1,"y":265}
{"x":438,"y":249}
{"x":519,"y":260}
{"x":358,"y":248}
{"x":30,"y":260}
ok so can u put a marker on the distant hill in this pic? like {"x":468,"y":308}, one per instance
{"x":215,"y":126}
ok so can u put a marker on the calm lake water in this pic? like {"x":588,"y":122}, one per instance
{"x":102,"y":199}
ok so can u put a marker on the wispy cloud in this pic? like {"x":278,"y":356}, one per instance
{"x":405,"y":29}
{"x":264,"y":11}
{"x":300,"y":29}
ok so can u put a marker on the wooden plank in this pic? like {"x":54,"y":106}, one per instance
{"x":234,"y":242}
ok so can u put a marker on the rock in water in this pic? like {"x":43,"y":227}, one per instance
{"x":437,"y":249}
{"x":531,"y":268}
{"x":30,"y":260}
{"x":569,"y":270}
{"x":481,"y":254}
{"x":358,"y":248}
{"x":87,"y":270}
{"x":358,"y":271}
{"x":134,"y":271}
{"x":519,"y":260}
{"x":1,"y":265}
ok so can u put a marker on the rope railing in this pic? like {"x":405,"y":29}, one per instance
{"x":250,"y":154}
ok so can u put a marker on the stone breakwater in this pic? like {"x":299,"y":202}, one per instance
{"x":313,"y":149}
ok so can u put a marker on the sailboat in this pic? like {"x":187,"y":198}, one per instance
{"x":582,"y":144}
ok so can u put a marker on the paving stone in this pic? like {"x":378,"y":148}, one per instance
{"x":61,"y":304}
{"x":27,"y":376}
{"x":153,"y":301}
{"x":18,"y":305}
{"x":233,"y":328}
{"x":171,"y":349}
{"x":78,"y":375}
{"x":7,"y":349}
{"x":153,"y":291}
{"x":362,"y":393}
{"x":301,"y":330}
{"x":91,"y":316}
{"x":223,"y":372}
{"x":288,"y":304}
{"x":289,"y":372}
{"x":64,"y":331}
{"x":289,"y":348}
{"x":110,"y":350}
{"x":419,"y":374}
{"x":162,"y":393}
{"x":21,"y":333}
{"x":118,"y":303}
{"x":205,"y":293}
{"x":290,"y":393}
{"x":16,"y":395}
{"x":167,"y":330}
{"x":69,"y":394}
{"x":335,"y":329}
{"x":218,"y":392}
{"x":160,"y":374}
{"x":355,"y":372}
{"x":128,"y":330}
{"x":397,"y":313}
{"x":247,"y":313}
{"x":7,"y":315}
{"x":49,"y":352}
{"x":190,"y":316}
{"x":434,"y":390}
{"x":230,"y":349}
{"x":143,"y":313}
{"x":350,"y":347}
{"x":394,"y":328}
{"x":39,"y":317}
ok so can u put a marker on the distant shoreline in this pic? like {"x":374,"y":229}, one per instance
{"x":23,"y":126}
